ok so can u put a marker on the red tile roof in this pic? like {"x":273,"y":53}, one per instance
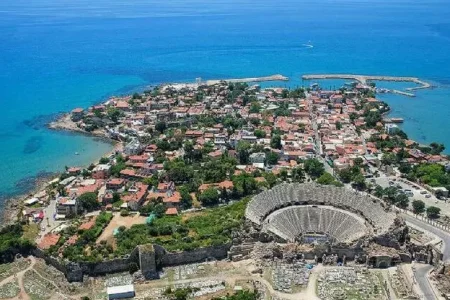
{"x":49,"y":240}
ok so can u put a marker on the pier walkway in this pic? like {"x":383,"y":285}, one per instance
{"x":276,"y":77}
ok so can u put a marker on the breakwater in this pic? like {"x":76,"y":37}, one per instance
{"x":276,"y":77}
{"x":363,"y":79}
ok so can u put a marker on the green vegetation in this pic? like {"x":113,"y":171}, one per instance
{"x":418,"y":206}
{"x":433,"y":212}
{"x":87,"y":239}
{"x":12,"y":242}
{"x":88,"y":201}
{"x":209,"y":197}
{"x":212,"y":227}
{"x":328,"y":179}
{"x":431,"y":174}
{"x":241,"y":295}
{"x":314,"y":168}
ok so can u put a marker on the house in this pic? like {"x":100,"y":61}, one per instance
{"x":135,"y":196}
{"x":391,"y":128}
{"x":134,"y":147}
{"x":257,"y":158}
{"x":115,"y":183}
{"x":49,"y":240}
{"x":101,"y":171}
{"x":66,"y":207}
{"x":77,"y":114}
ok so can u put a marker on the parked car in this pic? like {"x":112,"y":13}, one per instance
{"x":427,"y":196}
{"x":423,"y":192}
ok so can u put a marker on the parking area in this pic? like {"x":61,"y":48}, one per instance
{"x":417,"y":193}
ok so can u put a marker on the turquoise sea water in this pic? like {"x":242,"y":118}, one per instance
{"x":57,"y":55}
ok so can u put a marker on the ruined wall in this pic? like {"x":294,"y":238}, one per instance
{"x":147,"y":261}
{"x":60,"y":266}
{"x":197,"y":255}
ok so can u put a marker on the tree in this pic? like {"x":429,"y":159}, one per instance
{"x":418,"y":206}
{"x":346,"y":175}
{"x":379,"y":191}
{"x":260,"y":133}
{"x":136,"y":96}
{"x":115,"y":197}
{"x":243,"y":149}
{"x":209,"y":197}
{"x":271,"y":179}
{"x":104,"y":160}
{"x":275,"y":142}
{"x":338,"y":125}
{"x":372,"y":118}
{"x":161,"y":126}
{"x":271,"y":158}
{"x":388,"y":159}
{"x":186,"y":198}
{"x":298,"y":174}
{"x":88,"y":201}
{"x":402,"y":200}
{"x":433,"y":212}
{"x":359,"y":182}
{"x":113,"y":113}
{"x":325,"y":179}
{"x":314,"y":168}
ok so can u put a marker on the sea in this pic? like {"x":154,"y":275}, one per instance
{"x":58,"y":55}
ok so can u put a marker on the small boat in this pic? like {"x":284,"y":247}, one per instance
{"x":308,"y":45}
{"x":76,"y":153}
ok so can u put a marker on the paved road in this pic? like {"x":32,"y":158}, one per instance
{"x":422,"y":270}
{"x":444,"y":236}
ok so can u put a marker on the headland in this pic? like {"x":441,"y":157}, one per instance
{"x":292,"y":187}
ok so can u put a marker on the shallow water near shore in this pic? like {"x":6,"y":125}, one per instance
{"x":55,"y":56}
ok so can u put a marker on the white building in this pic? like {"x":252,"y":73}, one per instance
{"x":120,"y":292}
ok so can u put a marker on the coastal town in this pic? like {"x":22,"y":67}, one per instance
{"x":187,"y":160}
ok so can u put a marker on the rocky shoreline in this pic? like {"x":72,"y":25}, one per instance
{"x":13,"y":205}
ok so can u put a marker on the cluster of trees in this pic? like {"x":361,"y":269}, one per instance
{"x":76,"y":252}
{"x":392,"y":195}
{"x":88,"y":201}
{"x":354,"y":175}
{"x":432,"y":212}
{"x":213,"y":227}
{"x":431,"y":174}
{"x":12,"y":242}
{"x":328,"y":179}
{"x":314,"y":168}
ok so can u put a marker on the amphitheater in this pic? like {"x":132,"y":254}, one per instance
{"x":296,"y":212}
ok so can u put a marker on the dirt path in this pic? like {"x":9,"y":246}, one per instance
{"x":19,"y":276}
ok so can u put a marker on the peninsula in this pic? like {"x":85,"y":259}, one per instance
{"x":222,"y":189}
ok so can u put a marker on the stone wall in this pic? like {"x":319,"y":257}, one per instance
{"x":194,"y":256}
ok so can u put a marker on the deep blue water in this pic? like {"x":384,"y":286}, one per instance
{"x":57,"y":55}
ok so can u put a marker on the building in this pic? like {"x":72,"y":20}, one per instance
{"x":66,"y":206}
{"x":77,"y":114}
{"x":257,"y":158}
{"x":390,"y":128}
{"x":133,"y":148}
{"x":101,"y":171}
{"x":120,"y":292}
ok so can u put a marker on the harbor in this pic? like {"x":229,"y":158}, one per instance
{"x":364,"y":79}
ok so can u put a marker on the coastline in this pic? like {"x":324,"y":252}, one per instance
{"x":13,"y":204}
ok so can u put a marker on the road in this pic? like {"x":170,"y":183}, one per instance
{"x":421,"y":271}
